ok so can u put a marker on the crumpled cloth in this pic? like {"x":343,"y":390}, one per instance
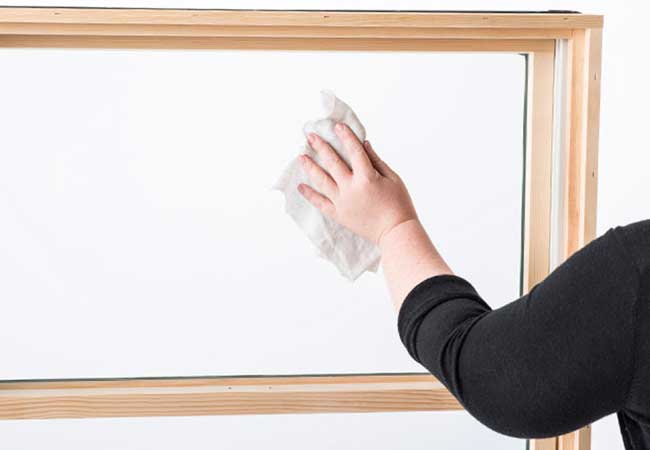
{"x":349,"y":252}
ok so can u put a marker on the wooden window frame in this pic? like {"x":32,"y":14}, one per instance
{"x":559,"y":128}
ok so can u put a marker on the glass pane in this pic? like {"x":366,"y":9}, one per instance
{"x":140,"y":237}
{"x":383,"y":431}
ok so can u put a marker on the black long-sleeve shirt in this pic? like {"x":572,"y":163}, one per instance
{"x":574,"y":349}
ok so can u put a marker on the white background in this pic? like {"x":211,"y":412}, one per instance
{"x":623,"y":187}
{"x":140,"y":223}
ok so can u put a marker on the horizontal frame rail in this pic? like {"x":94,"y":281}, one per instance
{"x":328,"y":19}
{"x":219,"y":396}
{"x":245,"y":43}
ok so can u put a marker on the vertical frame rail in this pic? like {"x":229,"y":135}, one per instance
{"x":585,"y":56}
{"x":537,"y":219}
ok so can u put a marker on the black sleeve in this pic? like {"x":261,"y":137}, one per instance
{"x":548,"y":363}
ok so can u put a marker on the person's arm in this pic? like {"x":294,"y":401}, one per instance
{"x":371,"y":200}
{"x":408,"y":257}
{"x":552,"y":361}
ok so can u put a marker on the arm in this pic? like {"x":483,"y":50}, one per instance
{"x":408,"y":257}
{"x":550,"y":362}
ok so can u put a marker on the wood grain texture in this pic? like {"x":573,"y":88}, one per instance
{"x":331,"y":19}
{"x":578,"y":440}
{"x":538,"y":169}
{"x":584,"y":104}
{"x":258,"y":43}
{"x":298,"y":31}
{"x":583,"y":145}
{"x":537,"y":216}
{"x":217,"y":396}
{"x":544,"y":444}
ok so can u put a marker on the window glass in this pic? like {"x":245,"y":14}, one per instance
{"x":139,"y":235}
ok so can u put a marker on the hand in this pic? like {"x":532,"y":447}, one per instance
{"x":368,"y":198}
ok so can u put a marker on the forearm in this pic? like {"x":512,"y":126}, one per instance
{"x":408,"y":257}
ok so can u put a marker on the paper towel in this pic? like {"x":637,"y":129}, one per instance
{"x":349,"y":252}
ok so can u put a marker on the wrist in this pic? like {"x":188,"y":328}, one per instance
{"x":407,"y":230}
{"x":409,"y":257}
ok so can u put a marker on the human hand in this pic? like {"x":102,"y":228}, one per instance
{"x":368,"y":198}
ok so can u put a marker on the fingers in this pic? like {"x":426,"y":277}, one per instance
{"x":358,"y":157}
{"x":319,"y":178}
{"x":317,"y":199}
{"x":376,"y":161}
{"x":331,"y":161}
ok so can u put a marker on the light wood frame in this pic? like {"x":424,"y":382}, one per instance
{"x":535,"y":34}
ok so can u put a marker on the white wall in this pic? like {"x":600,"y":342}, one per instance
{"x":623,"y":180}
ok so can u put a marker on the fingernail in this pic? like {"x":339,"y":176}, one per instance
{"x":311,"y":138}
{"x":339,"y":126}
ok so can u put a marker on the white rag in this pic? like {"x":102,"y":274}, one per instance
{"x":349,"y":252}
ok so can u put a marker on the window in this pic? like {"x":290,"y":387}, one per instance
{"x":140,"y":236}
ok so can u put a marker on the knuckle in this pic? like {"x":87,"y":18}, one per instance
{"x":331,"y":154}
{"x":364,"y":179}
{"x":310,"y":167}
{"x":332,"y":160}
{"x":358,"y":150}
{"x":345,"y":134}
